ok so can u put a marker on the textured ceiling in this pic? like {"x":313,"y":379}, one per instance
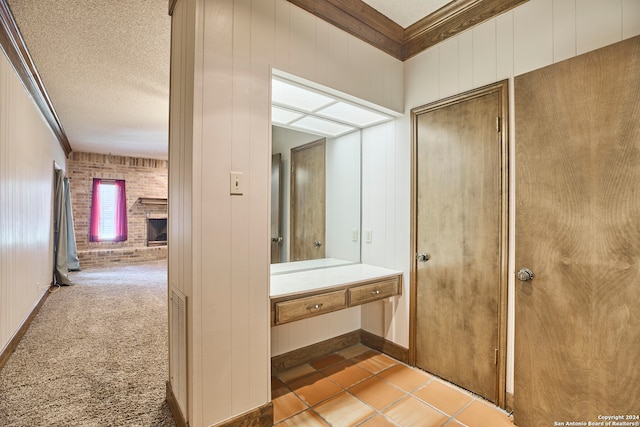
{"x":406,"y":12}
{"x":105,"y":65}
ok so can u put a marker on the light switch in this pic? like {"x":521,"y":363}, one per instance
{"x":354,"y":235}
{"x":236,"y":187}
{"x":369,"y":236}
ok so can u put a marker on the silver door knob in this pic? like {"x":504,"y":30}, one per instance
{"x":276,"y":239}
{"x":525,"y":274}
{"x":423,"y":257}
{"x":317,"y":243}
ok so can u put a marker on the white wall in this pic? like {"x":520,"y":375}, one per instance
{"x":343,"y":197}
{"x":220,"y":244}
{"x":386,"y":211}
{"x":534,"y":35}
{"x":295,"y":335}
{"x":28,"y":149}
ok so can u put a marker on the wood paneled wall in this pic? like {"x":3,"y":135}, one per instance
{"x":531,"y":36}
{"x":28,"y":149}
{"x":222,"y":55}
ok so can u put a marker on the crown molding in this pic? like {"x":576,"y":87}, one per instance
{"x":16,"y":50}
{"x":449,"y":20}
{"x":361,"y":20}
{"x":172,"y":5}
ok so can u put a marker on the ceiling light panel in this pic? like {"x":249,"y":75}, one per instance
{"x":321,"y":126}
{"x":290,"y":95}
{"x":348,"y":113}
{"x":283,"y":116}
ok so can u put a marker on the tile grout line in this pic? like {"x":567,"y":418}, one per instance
{"x":352,"y":361}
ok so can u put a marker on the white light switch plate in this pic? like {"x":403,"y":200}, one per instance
{"x":236,"y":187}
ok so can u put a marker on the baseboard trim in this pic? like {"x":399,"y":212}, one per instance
{"x":176,"y":412}
{"x":309,"y":353}
{"x":261,"y":416}
{"x":306,"y":354}
{"x":508,"y":406}
{"x":13,"y":343}
{"x":384,"y":346}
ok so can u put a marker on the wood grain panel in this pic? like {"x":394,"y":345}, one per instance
{"x":303,"y":308}
{"x":374,"y":291}
{"x":578,"y":229}
{"x":308,"y":201}
{"x":460,"y":213}
{"x":384,"y":346}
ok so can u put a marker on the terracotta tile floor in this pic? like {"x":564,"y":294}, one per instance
{"x":361,"y":387}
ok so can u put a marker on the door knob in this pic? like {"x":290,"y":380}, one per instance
{"x":423,"y":257}
{"x":525,"y":274}
{"x":317,"y":243}
{"x":276,"y":239}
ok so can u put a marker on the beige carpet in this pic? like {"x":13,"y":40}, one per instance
{"x":95,"y":355}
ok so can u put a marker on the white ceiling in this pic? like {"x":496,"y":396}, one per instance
{"x":105,"y":66}
{"x":406,"y":12}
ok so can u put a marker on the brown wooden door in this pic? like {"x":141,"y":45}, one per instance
{"x":577,"y":353}
{"x":308,"y":201}
{"x":276,"y":203}
{"x":460,"y":222}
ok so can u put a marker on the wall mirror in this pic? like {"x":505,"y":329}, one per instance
{"x":316,"y":174}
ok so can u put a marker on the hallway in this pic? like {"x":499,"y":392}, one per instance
{"x":94,"y":355}
{"x":361,"y":387}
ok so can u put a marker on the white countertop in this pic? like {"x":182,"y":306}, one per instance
{"x":289,"y":267}
{"x":298,"y":282}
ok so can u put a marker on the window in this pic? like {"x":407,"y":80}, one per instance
{"x":108,"y":211}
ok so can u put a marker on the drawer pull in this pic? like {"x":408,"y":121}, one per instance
{"x":376,"y":292}
{"x":314,"y":306}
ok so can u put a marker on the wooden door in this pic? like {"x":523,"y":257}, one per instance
{"x":307,"y":209}
{"x":577,"y":353}
{"x":276,"y":203}
{"x":460,"y":222}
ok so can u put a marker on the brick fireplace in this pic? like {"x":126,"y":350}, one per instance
{"x":156,"y":231}
{"x":147,"y":189}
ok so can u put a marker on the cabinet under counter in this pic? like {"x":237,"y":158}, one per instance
{"x":309,"y":293}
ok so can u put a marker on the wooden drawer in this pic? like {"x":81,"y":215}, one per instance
{"x":302,"y":308}
{"x":374,"y":291}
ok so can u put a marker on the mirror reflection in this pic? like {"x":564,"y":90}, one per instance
{"x":315,"y":206}
{"x":315,"y":180}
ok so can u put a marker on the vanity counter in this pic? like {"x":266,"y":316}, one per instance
{"x":303,"y":294}
{"x":312,"y":264}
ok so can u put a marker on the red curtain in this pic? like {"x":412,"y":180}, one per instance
{"x":122,"y":228}
{"x":119,"y":212}
{"x":94,"y":227}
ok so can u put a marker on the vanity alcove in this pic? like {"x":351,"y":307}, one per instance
{"x":316,"y":235}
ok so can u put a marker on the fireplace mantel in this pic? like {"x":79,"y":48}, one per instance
{"x":152,"y":201}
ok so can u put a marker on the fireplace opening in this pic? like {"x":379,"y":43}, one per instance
{"x":156,"y":231}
